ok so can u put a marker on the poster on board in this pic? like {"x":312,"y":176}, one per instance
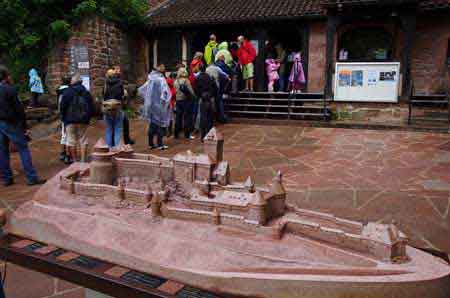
{"x":372,"y":78}
{"x":367,"y":82}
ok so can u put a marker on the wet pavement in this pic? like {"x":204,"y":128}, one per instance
{"x":356,"y":174}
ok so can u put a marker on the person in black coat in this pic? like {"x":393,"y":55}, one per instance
{"x":77,"y":109}
{"x":13,"y":128}
{"x":206,"y":90}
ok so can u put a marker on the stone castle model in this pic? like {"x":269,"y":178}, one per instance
{"x":197,"y":187}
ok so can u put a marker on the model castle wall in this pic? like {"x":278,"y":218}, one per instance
{"x":210,"y":198}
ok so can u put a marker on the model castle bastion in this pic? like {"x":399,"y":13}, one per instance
{"x":197,"y":187}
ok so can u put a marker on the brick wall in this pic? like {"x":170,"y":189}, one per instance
{"x":107,"y":46}
{"x":317,"y":56}
{"x":429,"y":68}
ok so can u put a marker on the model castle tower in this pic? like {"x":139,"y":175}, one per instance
{"x":213,"y":145}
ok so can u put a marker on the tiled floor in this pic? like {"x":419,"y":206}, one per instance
{"x":356,"y":174}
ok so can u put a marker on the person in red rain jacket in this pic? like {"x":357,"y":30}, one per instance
{"x":246,"y":55}
{"x":170,"y":81}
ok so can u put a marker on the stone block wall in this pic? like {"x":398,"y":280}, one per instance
{"x":429,"y":68}
{"x":107,"y":46}
{"x":137,"y":168}
{"x":317,"y":56}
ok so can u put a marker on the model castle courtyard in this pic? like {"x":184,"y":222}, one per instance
{"x":197,"y":187}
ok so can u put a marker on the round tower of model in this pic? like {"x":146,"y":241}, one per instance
{"x":102,"y":166}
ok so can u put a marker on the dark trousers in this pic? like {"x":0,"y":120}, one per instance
{"x":126,"y":130}
{"x":195,"y":105}
{"x":158,"y":131}
{"x":183,"y":118}
{"x":35,"y":99}
{"x":206,"y":117}
{"x":11,"y":133}
{"x":221,"y":117}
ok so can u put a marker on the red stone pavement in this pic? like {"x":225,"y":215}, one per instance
{"x":356,"y":174}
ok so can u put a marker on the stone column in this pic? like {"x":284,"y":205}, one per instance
{"x":260,"y":69}
{"x":332,"y":24}
{"x":408,"y":22}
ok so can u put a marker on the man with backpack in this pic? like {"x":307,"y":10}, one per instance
{"x":206,"y":89}
{"x":221,"y":79}
{"x":13,"y":128}
{"x":76,"y":109}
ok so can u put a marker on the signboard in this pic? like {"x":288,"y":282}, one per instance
{"x":367,"y":82}
{"x":79,"y":63}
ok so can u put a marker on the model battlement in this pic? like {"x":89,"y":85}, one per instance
{"x":197,"y":187}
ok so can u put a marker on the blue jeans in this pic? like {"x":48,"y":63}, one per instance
{"x":14,"y":134}
{"x":114,"y":129}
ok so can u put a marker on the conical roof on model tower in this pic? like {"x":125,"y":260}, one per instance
{"x":277,"y":187}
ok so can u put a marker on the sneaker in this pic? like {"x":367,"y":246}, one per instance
{"x":191,"y":138}
{"x":36,"y":182}
{"x":152,"y":147}
{"x":8,"y":182}
{"x":164,"y":147}
{"x":68,"y":160}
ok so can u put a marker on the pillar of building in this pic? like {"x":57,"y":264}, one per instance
{"x":408,"y":21}
{"x":260,"y":73}
{"x":332,"y":25}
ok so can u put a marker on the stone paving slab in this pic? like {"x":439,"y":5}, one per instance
{"x":356,"y":174}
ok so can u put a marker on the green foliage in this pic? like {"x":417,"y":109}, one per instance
{"x":29,"y":29}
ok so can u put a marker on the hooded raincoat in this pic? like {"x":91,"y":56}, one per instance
{"x":209,"y":52}
{"x":223,"y":50}
{"x":157,"y":95}
{"x":35,"y":82}
{"x":297,"y":77}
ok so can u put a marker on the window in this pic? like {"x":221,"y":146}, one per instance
{"x":169,"y":49}
{"x":366,"y":44}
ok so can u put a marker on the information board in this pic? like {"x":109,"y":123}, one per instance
{"x":79,"y":63}
{"x":367,"y":82}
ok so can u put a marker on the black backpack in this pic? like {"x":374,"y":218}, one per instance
{"x":79,"y":108}
{"x":185,"y":90}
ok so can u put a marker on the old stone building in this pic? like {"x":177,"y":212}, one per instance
{"x":95,"y":46}
{"x":414,"y":33}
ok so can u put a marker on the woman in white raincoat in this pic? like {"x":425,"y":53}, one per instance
{"x":157,"y":111}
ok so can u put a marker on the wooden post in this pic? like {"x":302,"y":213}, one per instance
{"x":408,"y":21}
{"x":332,"y":24}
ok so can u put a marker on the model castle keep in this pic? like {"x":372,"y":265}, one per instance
{"x":197,"y":187}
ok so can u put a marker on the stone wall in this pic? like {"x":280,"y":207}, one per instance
{"x":317,"y":56}
{"x":107,"y":46}
{"x":429,"y":67}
